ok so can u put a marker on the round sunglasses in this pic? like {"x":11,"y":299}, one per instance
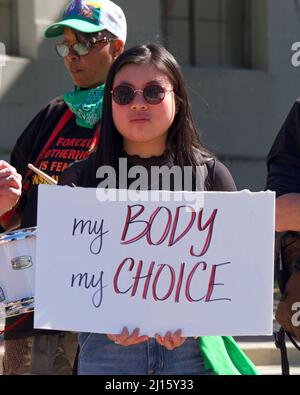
{"x":153,"y":94}
{"x":80,"y":49}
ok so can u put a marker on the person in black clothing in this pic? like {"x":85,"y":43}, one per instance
{"x":283,"y":176}
{"x":146,"y":120}
{"x":66,"y":130}
{"x":10,"y":187}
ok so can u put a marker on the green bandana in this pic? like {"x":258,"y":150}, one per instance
{"x":86,"y":105}
{"x":224,"y":357}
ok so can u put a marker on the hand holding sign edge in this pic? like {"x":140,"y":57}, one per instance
{"x":126,"y":339}
{"x":170,"y":340}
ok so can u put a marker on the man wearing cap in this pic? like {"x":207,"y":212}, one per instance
{"x":93,"y":35}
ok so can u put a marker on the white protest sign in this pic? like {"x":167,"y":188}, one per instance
{"x":155,"y":265}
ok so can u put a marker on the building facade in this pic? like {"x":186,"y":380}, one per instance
{"x":236,"y":56}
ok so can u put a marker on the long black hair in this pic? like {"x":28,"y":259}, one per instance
{"x":183,"y":142}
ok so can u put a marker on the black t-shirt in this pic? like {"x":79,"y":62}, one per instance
{"x":284,"y":157}
{"x":73,"y":143}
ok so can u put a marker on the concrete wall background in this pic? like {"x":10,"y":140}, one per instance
{"x":238,"y":112}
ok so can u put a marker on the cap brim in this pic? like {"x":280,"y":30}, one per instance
{"x":57,"y":29}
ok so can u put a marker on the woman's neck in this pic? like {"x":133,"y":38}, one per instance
{"x":144,"y":150}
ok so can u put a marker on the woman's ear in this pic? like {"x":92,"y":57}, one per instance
{"x":118,"y":48}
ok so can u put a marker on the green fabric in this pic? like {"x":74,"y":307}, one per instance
{"x":86,"y":105}
{"x":78,"y":15}
{"x":57,"y":29}
{"x":222,"y":355}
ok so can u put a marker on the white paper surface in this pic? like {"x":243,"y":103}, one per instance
{"x":81,"y":284}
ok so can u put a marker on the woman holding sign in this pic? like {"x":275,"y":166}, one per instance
{"x":147,"y":121}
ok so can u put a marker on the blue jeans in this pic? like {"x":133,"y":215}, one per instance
{"x":100,"y":356}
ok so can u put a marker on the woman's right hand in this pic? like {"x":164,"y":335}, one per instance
{"x":126,"y":339}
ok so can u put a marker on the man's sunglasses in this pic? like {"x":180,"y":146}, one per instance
{"x":153,"y":94}
{"x":80,"y":49}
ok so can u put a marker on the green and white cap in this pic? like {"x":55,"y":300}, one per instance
{"x":91,"y":17}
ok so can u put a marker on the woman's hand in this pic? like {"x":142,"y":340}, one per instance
{"x":10,"y":187}
{"x":170,"y":340}
{"x":126,"y":339}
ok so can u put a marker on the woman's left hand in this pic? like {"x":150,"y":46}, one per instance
{"x":126,"y":339}
{"x":10,"y":187}
{"x":170,"y":340}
